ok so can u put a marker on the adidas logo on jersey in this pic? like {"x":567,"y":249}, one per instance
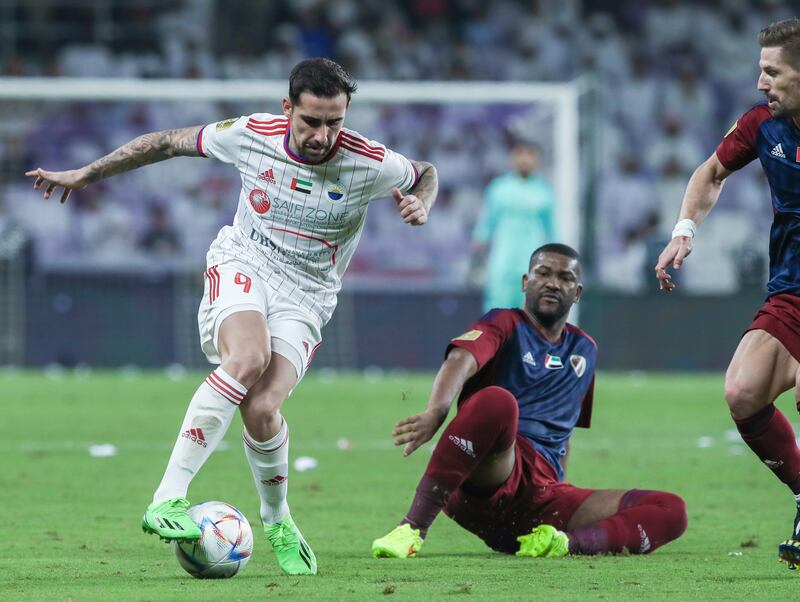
{"x":528,"y":359}
{"x":465,"y":445}
{"x":778,"y":152}
{"x":267,"y":176}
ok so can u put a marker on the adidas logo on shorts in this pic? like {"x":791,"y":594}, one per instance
{"x":464,"y":444}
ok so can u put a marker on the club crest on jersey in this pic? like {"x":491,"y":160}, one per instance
{"x":335,"y":192}
{"x":259,"y":201}
{"x":553,"y":362}
{"x":578,"y":363}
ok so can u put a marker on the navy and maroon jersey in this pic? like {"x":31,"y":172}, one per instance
{"x":776,"y":142}
{"x":553,"y":382}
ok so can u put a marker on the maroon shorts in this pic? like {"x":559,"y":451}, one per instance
{"x":531,"y":496}
{"x":780,"y":317}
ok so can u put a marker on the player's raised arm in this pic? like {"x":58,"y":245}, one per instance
{"x":415,"y":206}
{"x":416,"y":430}
{"x":700,"y":197}
{"x":144,"y":150}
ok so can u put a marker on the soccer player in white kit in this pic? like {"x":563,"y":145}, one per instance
{"x":272,"y":276}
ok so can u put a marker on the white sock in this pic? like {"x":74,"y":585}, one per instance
{"x":269,"y":462}
{"x":207,"y":419}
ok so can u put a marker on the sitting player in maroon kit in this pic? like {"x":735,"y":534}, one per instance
{"x":526,"y":379}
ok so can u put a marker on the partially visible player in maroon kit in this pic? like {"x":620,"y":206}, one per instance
{"x":766,"y":361}
{"x":525,"y":380}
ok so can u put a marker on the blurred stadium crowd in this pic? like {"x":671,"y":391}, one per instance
{"x":669,"y":77}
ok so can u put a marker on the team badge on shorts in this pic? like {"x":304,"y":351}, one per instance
{"x":259,"y":201}
{"x":578,"y":363}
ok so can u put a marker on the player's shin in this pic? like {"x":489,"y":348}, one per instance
{"x":646,"y":520}
{"x":206,"y":421}
{"x":269,"y":462}
{"x":771,"y":437}
{"x":485,"y":424}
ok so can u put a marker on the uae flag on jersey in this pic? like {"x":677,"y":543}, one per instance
{"x":301,"y":186}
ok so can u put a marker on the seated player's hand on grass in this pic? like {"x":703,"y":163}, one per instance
{"x":73,"y":179}
{"x":412,"y":210}
{"x":676,"y":251}
{"x":417,"y":430}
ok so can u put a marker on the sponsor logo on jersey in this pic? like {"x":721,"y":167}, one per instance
{"x":326,"y":256}
{"x":528,"y":359}
{"x":335,"y":192}
{"x":777,"y":151}
{"x":470,"y":335}
{"x":268,"y":176}
{"x":553,"y":362}
{"x":224,"y":125}
{"x":302,"y":215}
{"x":303,"y":186}
{"x":259,"y":201}
{"x":578,"y":363}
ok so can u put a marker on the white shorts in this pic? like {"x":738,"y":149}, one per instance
{"x":231,"y":287}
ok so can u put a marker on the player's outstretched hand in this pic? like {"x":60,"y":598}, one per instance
{"x":416,"y":430}
{"x":674,"y":254}
{"x":73,"y":179}
{"x":411,"y":208}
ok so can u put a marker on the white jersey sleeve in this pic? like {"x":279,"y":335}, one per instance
{"x":222,"y":140}
{"x":396,"y":170}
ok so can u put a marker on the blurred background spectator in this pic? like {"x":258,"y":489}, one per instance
{"x":669,"y":78}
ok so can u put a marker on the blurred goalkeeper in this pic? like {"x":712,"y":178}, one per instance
{"x":524,"y":380}
{"x":272,"y":276}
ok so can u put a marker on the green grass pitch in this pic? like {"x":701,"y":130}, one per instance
{"x":71,"y":521}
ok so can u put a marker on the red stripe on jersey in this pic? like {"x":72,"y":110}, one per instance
{"x":267,"y":132}
{"x":282,"y":120}
{"x":361,"y":144}
{"x":224,"y":389}
{"x":378,"y":158}
{"x":322,"y":240}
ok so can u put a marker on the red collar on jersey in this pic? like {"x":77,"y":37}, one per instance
{"x":300,"y":159}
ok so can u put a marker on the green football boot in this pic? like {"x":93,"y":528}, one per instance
{"x":170,"y":521}
{"x":401,"y":542}
{"x":294,"y":555}
{"x":544,"y":541}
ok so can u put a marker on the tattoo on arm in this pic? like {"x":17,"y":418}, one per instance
{"x":144,"y":150}
{"x":427,"y":185}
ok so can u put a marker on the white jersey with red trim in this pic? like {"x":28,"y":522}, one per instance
{"x":298,"y":223}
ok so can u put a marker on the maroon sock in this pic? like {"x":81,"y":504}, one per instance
{"x":770,"y":435}
{"x":646,"y":520}
{"x":485,"y":423}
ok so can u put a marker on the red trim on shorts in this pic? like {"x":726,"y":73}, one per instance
{"x":780,"y":318}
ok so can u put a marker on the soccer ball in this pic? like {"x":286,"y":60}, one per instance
{"x":225,"y":543}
